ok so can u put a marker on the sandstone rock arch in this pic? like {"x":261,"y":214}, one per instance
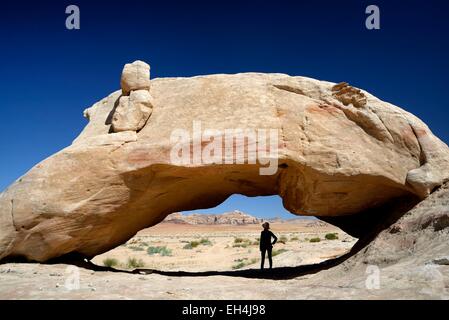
{"x":341,"y":151}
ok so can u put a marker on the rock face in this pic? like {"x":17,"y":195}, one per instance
{"x":340,"y":151}
{"x":410,"y":256}
{"x":234,"y":218}
{"x":132,"y":112}
{"x":349,"y":95}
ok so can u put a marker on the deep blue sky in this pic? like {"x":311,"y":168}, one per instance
{"x":49,"y":74}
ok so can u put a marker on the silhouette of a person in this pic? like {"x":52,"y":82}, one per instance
{"x":266,"y":245}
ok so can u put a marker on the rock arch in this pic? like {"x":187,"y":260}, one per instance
{"x":341,"y":151}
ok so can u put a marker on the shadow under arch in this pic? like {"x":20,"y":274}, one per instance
{"x":280,"y":273}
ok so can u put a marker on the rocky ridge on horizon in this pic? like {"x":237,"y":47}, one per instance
{"x":235,"y":217}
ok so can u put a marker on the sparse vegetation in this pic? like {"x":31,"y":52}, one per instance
{"x":205,"y":242}
{"x":243,"y":263}
{"x":229,"y":243}
{"x":163,"y":251}
{"x":238,"y":265}
{"x":135,"y":248}
{"x":277,"y":252}
{"x":331,"y":236}
{"x":110,"y":262}
{"x":191,"y":245}
{"x":242,"y":243}
{"x":134,"y":263}
{"x":283,"y":239}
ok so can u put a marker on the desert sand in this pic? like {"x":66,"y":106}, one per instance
{"x":225,"y":248}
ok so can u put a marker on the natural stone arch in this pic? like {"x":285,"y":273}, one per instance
{"x":341,"y":151}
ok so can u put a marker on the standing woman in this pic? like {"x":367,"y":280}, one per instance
{"x":265,"y":243}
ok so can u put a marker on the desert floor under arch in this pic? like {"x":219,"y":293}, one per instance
{"x":226,"y":241}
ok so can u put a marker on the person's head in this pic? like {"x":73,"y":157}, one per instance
{"x":266,"y":225}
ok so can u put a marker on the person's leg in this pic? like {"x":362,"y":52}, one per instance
{"x":269,"y":257}
{"x":262,"y":261}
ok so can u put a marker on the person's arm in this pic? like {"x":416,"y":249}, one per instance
{"x":275,"y":238}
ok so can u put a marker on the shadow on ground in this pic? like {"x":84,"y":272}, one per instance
{"x":282,"y":273}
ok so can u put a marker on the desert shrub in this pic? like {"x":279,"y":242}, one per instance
{"x":277,"y":252}
{"x":283,"y":239}
{"x":135,"y":248}
{"x":241,"y":243}
{"x":331,"y":236}
{"x":191,"y":245}
{"x":163,"y":251}
{"x":315,"y":239}
{"x":238,"y":265}
{"x":306,"y":239}
{"x":205,"y":242}
{"x":153,"y":250}
{"x":134,"y":263}
{"x":110,"y":262}
{"x":194,"y":244}
{"x":295,"y":238}
{"x":243,"y":263}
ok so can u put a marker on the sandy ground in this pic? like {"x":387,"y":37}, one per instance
{"x":408,"y":279}
{"x":226,"y":247}
{"x":219,"y":254}
{"x":408,"y":260}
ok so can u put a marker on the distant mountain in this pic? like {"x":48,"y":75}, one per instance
{"x":234,"y":217}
